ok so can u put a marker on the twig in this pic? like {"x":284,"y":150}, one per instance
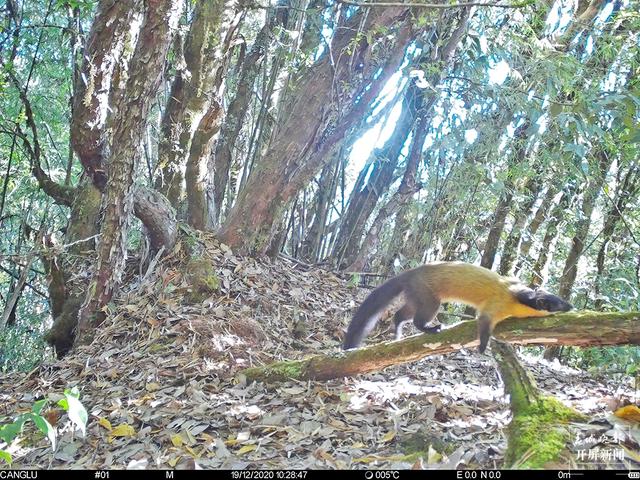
{"x":17,"y":290}
{"x":366,"y":274}
{"x":522,"y":92}
{"x":45,"y":250}
{"x":28,"y":284}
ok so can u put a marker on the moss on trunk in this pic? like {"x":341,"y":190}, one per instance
{"x":538,"y":433}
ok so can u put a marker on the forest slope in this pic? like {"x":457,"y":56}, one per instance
{"x":169,"y":375}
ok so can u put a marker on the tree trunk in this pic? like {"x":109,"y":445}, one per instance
{"x":459,"y":236}
{"x":396,"y":244}
{"x":513,"y":239}
{"x":497,"y":226}
{"x":238,"y":107}
{"x":380,"y":174}
{"x":408,"y":187}
{"x":556,"y":217}
{"x":532,"y":228}
{"x":383,"y":165}
{"x":589,"y":198}
{"x":160,"y":22}
{"x":159,"y":218}
{"x":67,"y":286}
{"x":505,"y":202}
{"x":105,"y":45}
{"x":327,"y":184}
{"x":106,"y":42}
{"x":199,"y":213}
{"x":311,"y":133}
{"x":191,"y":92}
{"x":625,"y":192}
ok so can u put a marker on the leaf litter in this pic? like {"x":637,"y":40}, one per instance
{"x":161,"y":387}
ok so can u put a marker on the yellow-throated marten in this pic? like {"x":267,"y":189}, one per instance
{"x":494,"y":297}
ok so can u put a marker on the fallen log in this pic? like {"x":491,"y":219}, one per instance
{"x":584,"y":328}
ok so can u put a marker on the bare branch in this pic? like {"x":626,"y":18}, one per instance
{"x":60,"y":193}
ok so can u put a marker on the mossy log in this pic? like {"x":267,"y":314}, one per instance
{"x":574,"y":328}
{"x":538,"y":434}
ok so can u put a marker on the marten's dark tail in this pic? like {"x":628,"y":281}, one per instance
{"x":367,"y":315}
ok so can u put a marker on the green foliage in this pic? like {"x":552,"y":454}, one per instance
{"x":623,"y":360}
{"x":354,"y":281}
{"x":85,"y":5}
{"x":40,"y":56}
{"x":70,"y":403}
{"x":21,"y":348}
{"x":21,"y":344}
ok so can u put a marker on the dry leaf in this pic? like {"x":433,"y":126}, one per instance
{"x":247,"y":449}
{"x":630,"y":413}
{"x":176,"y":440}
{"x":388,"y":436}
{"x":123,"y":430}
{"x":104,"y":423}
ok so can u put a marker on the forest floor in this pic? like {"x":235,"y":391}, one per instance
{"x":161,"y":388}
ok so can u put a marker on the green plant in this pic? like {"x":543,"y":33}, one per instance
{"x":70,"y":403}
{"x":354,"y":281}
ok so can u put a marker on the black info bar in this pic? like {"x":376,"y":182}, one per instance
{"x":318,"y":474}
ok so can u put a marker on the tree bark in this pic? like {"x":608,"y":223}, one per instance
{"x":497,"y":226}
{"x":556,"y":217}
{"x":415,"y":104}
{"x":104,"y":47}
{"x":505,"y":202}
{"x":590,"y":196}
{"x":625,"y":192}
{"x":93,"y":115}
{"x":380,"y":173}
{"x":327,"y":185}
{"x":199,"y":212}
{"x":570,"y":270}
{"x":238,"y":107}
{"x":158,"y":216}
{"x":513,"y":239}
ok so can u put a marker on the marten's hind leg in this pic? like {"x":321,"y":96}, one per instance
{"x":405,"y":314}
{"x":425,"y":306}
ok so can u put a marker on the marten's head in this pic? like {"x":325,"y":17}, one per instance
{"x":542,"y":300}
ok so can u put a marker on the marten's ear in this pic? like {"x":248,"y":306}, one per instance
{"x":525,"y":296}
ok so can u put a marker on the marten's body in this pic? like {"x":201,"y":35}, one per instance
{"x":426,"y":287}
